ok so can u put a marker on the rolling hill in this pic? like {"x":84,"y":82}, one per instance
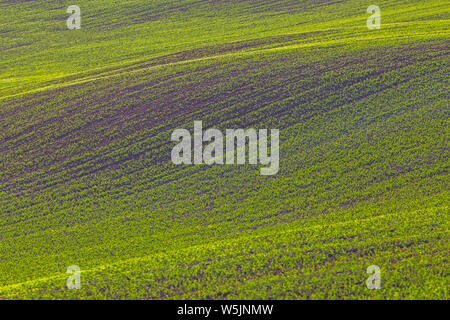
{"x":86,"y":177}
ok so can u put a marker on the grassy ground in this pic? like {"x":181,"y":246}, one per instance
{"x":85,"y":172}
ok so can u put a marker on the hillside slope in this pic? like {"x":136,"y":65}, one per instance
{"x":86,"y":177}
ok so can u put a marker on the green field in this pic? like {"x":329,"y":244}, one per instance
{"x":86,"y":176}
